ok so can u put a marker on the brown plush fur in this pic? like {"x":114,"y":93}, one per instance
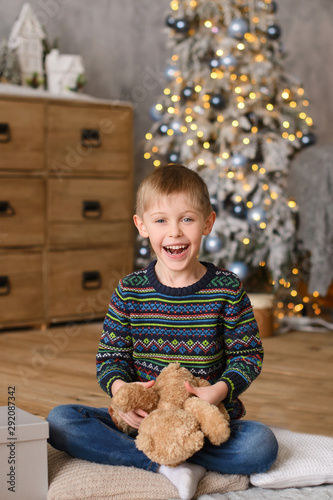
{"x":177,"y":422}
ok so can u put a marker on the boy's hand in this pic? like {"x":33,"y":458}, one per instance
{"x":135,"y":417}
{"x":213,"y":394}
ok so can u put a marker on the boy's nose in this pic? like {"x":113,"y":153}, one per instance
{"x":175,"y":230}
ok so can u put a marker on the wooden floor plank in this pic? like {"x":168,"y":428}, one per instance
{"x":57,"y":366}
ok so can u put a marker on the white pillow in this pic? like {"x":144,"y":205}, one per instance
{"x":303,"y":460}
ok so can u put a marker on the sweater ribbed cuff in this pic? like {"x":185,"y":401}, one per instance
{"x":115,"y":376}
{"x":236,"y":384}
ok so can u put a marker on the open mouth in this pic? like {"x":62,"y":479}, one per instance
{"x":175,"y":249}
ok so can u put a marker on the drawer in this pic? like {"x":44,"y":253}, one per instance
{"x":21,"y":135}
{"x":21,"y":287}
{"x":22,"y":209}
{"x":89,"y":211}
{"x":89,"y":200}
{"x":84,"y":139}
{"x":80,"y":282}
{"x":94,"y":235}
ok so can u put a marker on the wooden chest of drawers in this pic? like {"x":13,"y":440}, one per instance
{"x":66,"y":232}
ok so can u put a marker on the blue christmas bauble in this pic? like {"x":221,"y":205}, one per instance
{"x":181,"y":25}
{"x":265,"y":91}
{"x":239,"y":210}
{"x":155,"y":114}
{"x":212,"y":243}
{"x":274,"y":31}
{"x":175,"y":125}
{"x":238,"y":160}
{"x":215,"y":62}
{"x":144,"y":250}
{"x":238,"y":27}
{"x":308,"y":139}
{"x":215,"y":203}
{"x":217,"y":101}
{"x":174,"y":157}
{"x":239,"y":268}
{"x":256,"y":215}
{"x":229,"y":61}
{"x":170,"y":21}
{"x":163,"y":129}
{"x":169,"y":72}
{"x":188,"y":92}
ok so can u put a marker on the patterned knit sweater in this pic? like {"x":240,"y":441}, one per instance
{"x":207,"y":327}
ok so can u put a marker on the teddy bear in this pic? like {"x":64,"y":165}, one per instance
{"x":177,"y":421}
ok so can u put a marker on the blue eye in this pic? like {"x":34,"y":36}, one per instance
{"x":187,"y":219}
{"x":160,"y":221}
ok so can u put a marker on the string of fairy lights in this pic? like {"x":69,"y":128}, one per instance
{"x":229,"y":111}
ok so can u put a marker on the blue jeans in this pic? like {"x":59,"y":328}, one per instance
{"x":89,"y":433}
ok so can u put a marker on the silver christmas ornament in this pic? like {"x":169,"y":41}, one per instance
{"x":163,"y":129}
{"x":181,"y":25}
{"x":256,"y":215}
{"x":217,"y":101}
{"x":238,"y":161}
{"x":155,"y":114}
{"x":176,"y":126}
{"x":212,"y":243}
{"x":274,"y":31}
{"x":215,"y":63}
{"x":228,"y":61}
{"x":239,"y":268}
{"x":174,"y":157}
{"x":308,"y":139}
{"x":169,"y":72}
{"x":238,"y":27}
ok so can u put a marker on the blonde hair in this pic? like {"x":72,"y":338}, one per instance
{"x":173,"y":179}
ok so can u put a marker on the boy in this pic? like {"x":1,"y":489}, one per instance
{"x":178,"y":309}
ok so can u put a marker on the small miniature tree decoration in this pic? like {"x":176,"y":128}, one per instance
{"x":26,"y":39}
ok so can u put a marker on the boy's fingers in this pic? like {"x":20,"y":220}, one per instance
{"x":133,"y":418}
{"x":190,"y":389}
{"x":148,"y":384}
{"x":141,"y":413}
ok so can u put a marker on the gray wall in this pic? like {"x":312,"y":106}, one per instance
{"x":123,"y":46}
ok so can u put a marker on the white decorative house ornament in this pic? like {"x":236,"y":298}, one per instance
{"x":26,"y":38}
{"x":63,"y":71}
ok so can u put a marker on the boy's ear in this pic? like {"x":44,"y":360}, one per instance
{"x":209,"y":223}
{"x":140,"y":226}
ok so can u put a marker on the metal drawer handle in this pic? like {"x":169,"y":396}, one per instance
{"x":91,"y":209}
{"x":4,"y":286}
{"x":5,"y":135}
{"x":91,"y":280}
{"x":90,"y":138}
{"x":6,"y":210}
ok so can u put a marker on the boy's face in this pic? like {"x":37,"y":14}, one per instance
{"x":175,"y":227}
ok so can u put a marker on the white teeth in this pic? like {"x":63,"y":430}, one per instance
{"x":176,"y":247}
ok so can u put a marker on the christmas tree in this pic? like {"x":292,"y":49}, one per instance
{"x":9,"y":65}
{"x":232,"y":113}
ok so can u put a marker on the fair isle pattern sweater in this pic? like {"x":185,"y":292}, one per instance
{"x":208,"y":327}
